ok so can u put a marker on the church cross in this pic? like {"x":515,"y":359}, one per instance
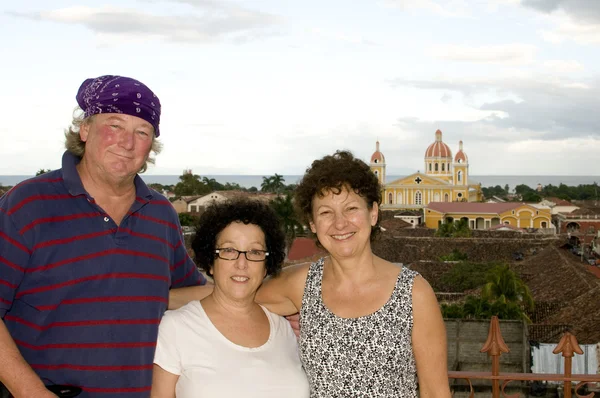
{"x":418,"y":180}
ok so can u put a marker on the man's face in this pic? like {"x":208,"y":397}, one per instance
{"x":117,"y":144}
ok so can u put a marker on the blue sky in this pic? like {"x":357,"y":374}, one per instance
{"x":267,"y":86}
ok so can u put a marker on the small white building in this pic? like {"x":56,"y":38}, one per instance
{"x":199,"y":203}
{"x":559,"y":205}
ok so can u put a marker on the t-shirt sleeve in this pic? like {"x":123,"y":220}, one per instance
{"x":167,"y":354}
{"x":14,"y":257}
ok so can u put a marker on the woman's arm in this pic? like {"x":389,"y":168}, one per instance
{"x":429,"y":342}
{"x":283,"y":293}
{"x":163,"y":383}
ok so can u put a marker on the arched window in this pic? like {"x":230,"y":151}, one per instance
{"x":443,"y":166}
{"x":429,"y":166}
{"x":418,"y":198}
{"x":376,"y":173}
{"x":376,"y":161}
{"x":390,"y":198}
{"x":459,"y":176}
{"x":544,"y":225}
{"x":399,"y":198}
{"x":436,"y":167}
{"x":445,"y":197}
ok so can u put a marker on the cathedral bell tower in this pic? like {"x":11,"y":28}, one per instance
{"x":461,"y":167}
{"x":378,"y":164}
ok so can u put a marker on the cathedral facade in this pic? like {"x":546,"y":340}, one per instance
{"x":445,"y":179}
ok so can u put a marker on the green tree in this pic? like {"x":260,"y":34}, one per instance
{"x":504,"y":285}
{"x":455,"y":255}
{"x":274,"y":184}
{"x":212,"y":184}
{"x":521,"y":189}
{"x":454,"y":229}
{"x":42,"y":171}
{"x":233,"y":186}
{"x":507,"y":189}
{"x":465,"y":276}
{"x":284,"y":207}
{"x":267,"y":184}
{"x":190,"y":184}
{"x":187,"y":220}
{"x":531,"y":196}
{"x":452,"y":311}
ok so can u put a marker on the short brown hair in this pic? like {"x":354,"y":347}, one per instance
{"x":74,"y":145}
{"x":331,"y":174}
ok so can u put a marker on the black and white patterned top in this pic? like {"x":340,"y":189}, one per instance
{"x":370,"y":356}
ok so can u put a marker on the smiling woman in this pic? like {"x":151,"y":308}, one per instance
{"x":238,"y":243}
{"x":368,"y":327}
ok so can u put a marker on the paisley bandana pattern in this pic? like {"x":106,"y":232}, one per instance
{"x":119,"y":94}
{"x":367,"y":357}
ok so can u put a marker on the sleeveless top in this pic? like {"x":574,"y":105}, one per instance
{"x":369,"y":356}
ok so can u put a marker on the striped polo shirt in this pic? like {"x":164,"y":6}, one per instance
{"x":81,"y":296}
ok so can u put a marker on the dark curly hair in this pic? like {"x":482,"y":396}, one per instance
{"x":218,"y":216}
{"x":331,"y":174}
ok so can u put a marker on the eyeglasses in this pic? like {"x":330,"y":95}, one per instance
{"x":229,"y":253}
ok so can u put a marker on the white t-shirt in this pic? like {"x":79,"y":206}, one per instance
{"x":209,"y":365}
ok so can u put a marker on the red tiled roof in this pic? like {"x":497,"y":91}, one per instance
{"x":438,"y":148}
{"x":594,"y":270}
{"x":472,"y":207}
{"x":303,"y":248}
{"x":460,"y":155}
{"x":377,"y":156}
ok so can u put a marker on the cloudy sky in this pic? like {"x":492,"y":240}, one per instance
{"x":266,"y":86}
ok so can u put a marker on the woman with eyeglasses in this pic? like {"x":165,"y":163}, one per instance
{"x":227,"y":345}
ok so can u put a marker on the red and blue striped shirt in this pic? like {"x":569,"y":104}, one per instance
{"x":81,"y":296}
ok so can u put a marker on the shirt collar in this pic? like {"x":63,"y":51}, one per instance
{"x":75,"y":186}
{"x":70,"y":174}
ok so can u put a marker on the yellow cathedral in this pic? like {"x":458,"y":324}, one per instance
{"x":446,"y":179}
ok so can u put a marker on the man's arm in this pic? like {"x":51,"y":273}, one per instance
{"x":429,"y":342}
{"x":15,"y":373}
{"x":181,"y":296}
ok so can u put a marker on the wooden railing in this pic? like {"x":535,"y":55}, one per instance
{"x":495,"y":346}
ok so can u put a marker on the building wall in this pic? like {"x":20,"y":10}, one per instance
{"x":467,"y":337}
{"x":180,"y":206}
{"x":520,"y":217}
{"x":204,"y":201}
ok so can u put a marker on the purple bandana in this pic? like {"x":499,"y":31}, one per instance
{"x":118,"y":94}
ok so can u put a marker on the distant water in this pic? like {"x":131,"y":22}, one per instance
{"x":248,"y":181}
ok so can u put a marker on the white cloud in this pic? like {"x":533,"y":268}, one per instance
{"x":563,"y":66}
{"x":511,"y":54}
{"x":566,"y":28}
{"x":206,"y":24}
{"x":446,"y":8}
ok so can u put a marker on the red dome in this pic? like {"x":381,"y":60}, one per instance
{"x":438,"y":149}
{"x":461,"y":157}
{"x":377,"y":157}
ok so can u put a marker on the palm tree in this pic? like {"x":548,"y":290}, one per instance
{"x":267,"y":184}
{"x":284,"y":207}
{"x":278,"y":183}
{"x":505,"y":286}
{"x":274,"y":184}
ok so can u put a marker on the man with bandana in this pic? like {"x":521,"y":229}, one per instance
{"x":88,"y":255}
